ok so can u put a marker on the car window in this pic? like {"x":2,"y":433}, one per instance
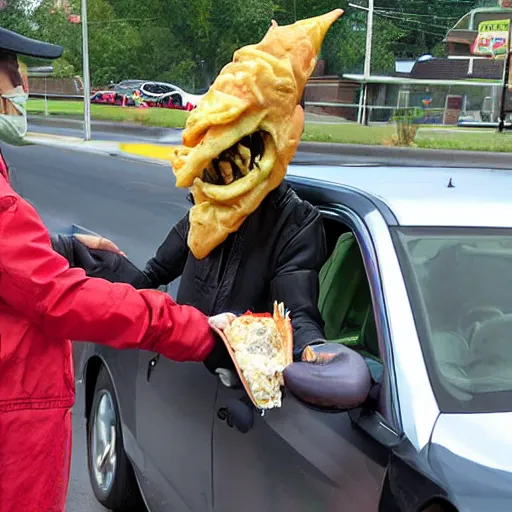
{"x":151,"y":88}
{"x":345,"y":301}
{"x":460,"y":283}
{"x":166,"y":89}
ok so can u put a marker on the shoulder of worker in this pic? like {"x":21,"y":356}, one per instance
{"x":8,"y":197}
{"x":296,"y":213}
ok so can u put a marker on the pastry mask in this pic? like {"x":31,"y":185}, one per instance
{"x":238,"y":142}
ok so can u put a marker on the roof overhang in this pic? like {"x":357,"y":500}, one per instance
{"x":40,"y":71}
{"x":395,"y":80}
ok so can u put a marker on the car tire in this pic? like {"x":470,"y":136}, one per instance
{"x":110,"y":471}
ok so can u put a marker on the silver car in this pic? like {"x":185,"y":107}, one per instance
{"x":425,"y":294}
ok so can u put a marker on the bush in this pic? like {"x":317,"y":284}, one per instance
{"x":405,"y":127}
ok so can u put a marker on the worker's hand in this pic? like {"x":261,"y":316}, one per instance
{"x":99,"y":243}
{"x":219,"y":356}
{"x":309,"y":355}
{"x":221,"y":321}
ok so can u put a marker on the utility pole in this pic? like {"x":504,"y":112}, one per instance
{"x":505,"y":84}
{"x":368,"y":54}
{"x":87,"y":81}
{"x":369,"y":40}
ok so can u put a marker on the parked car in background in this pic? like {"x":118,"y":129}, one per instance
{"x":153,"y":94}
{"x":164,"y":92}
{"x":426,"y":255}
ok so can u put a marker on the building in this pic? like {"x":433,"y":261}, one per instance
{"x":465,"y":85}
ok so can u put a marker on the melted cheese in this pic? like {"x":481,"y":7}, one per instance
{"x":257,"y":347}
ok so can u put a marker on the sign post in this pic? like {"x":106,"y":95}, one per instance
{"x":363,"y":115}
{"x":368,"y":59}
{"x":87,"y":81}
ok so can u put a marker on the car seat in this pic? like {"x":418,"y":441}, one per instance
{"x":345,"y":299}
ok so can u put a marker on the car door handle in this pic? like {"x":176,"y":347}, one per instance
{"x":151,"y":366}
{"x":238,"y":413}
{"x":229,"y":378}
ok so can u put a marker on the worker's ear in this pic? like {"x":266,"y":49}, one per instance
{"x":23,"y":71}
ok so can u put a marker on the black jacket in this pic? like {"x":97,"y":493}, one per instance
{"x":275,"y":255}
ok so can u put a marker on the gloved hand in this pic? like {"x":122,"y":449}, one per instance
{"x":99,"y":243}
{"x":110,"y":263}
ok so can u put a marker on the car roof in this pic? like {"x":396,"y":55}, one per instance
{"x":421,"y":196}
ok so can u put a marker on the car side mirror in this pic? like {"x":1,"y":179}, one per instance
{"x":336,"y":379}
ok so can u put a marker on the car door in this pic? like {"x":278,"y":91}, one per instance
{"x":297,"y":458}
{"x":175,"y":405}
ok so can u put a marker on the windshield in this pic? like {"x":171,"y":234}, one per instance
{"x":460,"y":286}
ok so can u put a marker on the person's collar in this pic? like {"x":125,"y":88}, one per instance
{"x":277,"y":194}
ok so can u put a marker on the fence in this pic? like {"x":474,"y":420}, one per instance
{"x":341,"y":99}
{"x":55,"y":87}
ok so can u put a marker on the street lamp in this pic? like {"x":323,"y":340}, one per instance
{"x":86,"y":79}
{"x":368,"y":53}
{"x":76,"y":19}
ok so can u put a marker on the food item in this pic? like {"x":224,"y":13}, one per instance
{"x":238,"y":142}
{"x":261,"y":346}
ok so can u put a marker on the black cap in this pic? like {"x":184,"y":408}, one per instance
{"x":21,"y":45}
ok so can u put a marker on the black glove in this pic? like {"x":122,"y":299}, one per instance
{"x":219,"y":357}
{"x":107,"y":265}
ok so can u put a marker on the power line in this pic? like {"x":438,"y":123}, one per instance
{"x":416,"y":15}
{"x":401,"y":18}
{"x":421,"y":27}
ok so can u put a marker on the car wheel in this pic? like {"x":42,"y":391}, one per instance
{"x":110,"y":471}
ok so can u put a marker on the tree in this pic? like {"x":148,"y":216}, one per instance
{"x":187,"y":43}
{"x":14,"y":16}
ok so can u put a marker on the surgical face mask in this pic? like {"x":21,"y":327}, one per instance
{"x":13,"y":128}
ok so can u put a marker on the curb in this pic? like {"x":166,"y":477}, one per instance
{"x":104,"y":148}
{"x":371,"y":155}
{"x":413,"y":156}
{"x":102,"y":126}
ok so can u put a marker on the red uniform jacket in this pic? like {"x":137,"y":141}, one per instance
{"x":43,"y":305}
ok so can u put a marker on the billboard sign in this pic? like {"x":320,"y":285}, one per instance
{"x":492,"y":39}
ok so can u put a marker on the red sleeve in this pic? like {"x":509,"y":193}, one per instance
{"x":64,"y":302}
